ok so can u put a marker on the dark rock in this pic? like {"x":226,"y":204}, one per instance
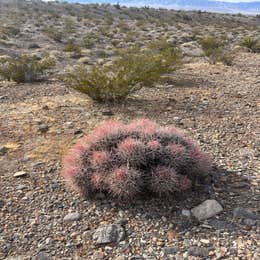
{"x":243,"y":213}
{"x":122,"y":221}
{"x":77,"y":132}
{"x":221,"y":224}
{"x":169,"y":250}
{"x":43,"y":128}
{"x":3,"y":150}
{"x":249,"y":222}
{"x":33,"y":46}
{"x":137,"y":257}
{"x":107,"y":113}
{"x":198,"y":251}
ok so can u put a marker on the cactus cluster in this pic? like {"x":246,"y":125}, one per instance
{"x":127,"y":160}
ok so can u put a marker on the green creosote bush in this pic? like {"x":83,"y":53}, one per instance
{"x":134,"y":69}
{"x":214,"y":49}
{"x":251,"y":44}
{"x":25,"y":68}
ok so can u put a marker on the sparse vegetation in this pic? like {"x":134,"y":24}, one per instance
{"x":133,"y":70}
{"x":24,"y":68}
{"x":251,"y":44}
{"x":53,"y":33}
{"x":214,"y":48}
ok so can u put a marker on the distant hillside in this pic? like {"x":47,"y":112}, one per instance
{"x":207,"y":5}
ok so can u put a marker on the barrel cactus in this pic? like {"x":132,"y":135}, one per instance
{"x":128,"y":160}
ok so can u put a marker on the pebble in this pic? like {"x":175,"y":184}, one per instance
{"x":207,"y":209}
{"x":186,"y":213}
{"x":20,"y":174}
{"x":41,"y":256}
{"x":43,"y":128}
{"x":74,"y":216}
{"x":169,"y":251}
{"x":112,"y":233}
{"x":3,"y":150}
{"x":198,"y":251}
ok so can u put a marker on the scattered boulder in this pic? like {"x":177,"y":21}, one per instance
{"x":112,"y":233}
{"x":207,"y":209}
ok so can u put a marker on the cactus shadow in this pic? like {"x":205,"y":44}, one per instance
{"x":222,"y":184}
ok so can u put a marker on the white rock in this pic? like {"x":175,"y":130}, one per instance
{"x":207,"y":209}
{"x":186,"y":213}
{"x":20,"y":174}
{"x":74,"y":216}
{"x":109,"y":234}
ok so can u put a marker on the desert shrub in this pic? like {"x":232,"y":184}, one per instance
{"x":73,"y":49}
{"x":133,"y":70}
{"x":69,"y":25}
{"x":8,"y":31}
{"x":90,"y":39}
{"x":53,"y":33}
{"x":24,"y":68}
{"x":139,"y":158}
{"x":251,"y":44}
{"x":214,"y":48}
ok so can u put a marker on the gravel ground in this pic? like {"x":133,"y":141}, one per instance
{"x":216,"y":104}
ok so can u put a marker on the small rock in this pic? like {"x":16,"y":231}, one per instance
{"x":249,"y":222}
{"x":20,"y":174}
{"x":21,"y":187}
{"x":207,"y":209}
{"x":109,"y":234}
{"x":41,"y":256}
{"x":77,"y":132}
{"x":3,"y":150}
{"x":198,"y":251}
{"x":169,"y":251}
{"x":243,"y":213}
{"x":186,"y":213}
{"x":74,"y":216}
{"x":107,"y":113}
{"x":137,"y":257}
{"x":120,"y":258}
{"x":122,"y":221}
{"x":43,"y":128}
{"x":205,"y":241}
{"x":98,"y":255}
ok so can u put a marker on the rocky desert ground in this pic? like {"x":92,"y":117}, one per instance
{"x":216,"y":104}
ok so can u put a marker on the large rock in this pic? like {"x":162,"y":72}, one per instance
{"x":112,"y":233}
{"x":207,"y":209}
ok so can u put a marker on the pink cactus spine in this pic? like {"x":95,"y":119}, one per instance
{"x":154,"y":145}
{"x":126,"y":160}
{"x":129,"y":145}
{"x":99,"y":158}
{"x":184,"y":182}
